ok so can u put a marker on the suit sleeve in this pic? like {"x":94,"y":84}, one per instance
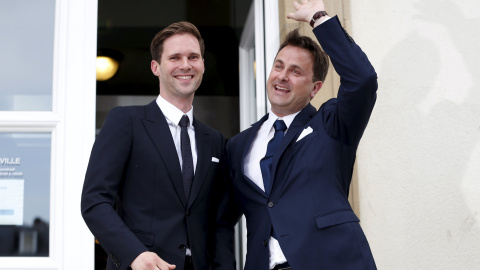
{"x":228,"y":215}
{"x":347,"y":116}
{"x":109,"y":156}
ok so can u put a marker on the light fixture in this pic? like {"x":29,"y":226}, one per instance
{"x":106,"y":67}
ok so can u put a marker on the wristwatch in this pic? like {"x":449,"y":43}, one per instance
{"x":317,"y":16}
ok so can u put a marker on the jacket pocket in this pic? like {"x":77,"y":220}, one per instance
{"x":307,"y":138}
{"x":336,"y":218}
{"x":146,"y":238}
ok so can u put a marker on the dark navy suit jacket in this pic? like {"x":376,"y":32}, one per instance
{"x":308,"y":205}
{"x":133,"y":197}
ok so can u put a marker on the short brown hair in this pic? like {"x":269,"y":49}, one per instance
{"x":320,"y":58}
{"x":156,"y":47}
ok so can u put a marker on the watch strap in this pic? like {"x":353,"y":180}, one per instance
{"x":317,"y":16}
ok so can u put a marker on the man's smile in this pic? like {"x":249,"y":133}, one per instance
{"x":281,"y":89}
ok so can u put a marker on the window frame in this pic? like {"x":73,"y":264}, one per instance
{"x":72,"y":126}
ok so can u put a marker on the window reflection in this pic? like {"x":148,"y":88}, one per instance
{"x":24,"y":194}
{"x":26,"y":73}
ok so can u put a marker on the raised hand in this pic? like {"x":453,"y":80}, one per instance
{"x":306,"y":10}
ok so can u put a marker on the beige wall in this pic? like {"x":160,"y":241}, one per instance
{"x":419,"y":161}
{"x":418,"y":164}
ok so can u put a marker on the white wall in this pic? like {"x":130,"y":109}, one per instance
{"x":419,"y":160}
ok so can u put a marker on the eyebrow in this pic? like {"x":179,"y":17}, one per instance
{"x":291,"y":66}
{"x":188,"y":54}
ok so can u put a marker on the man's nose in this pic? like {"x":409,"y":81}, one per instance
{"x":185,"y":63}
{"x":283,"y":76}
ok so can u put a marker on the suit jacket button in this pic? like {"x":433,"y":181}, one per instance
{"x":265,"y":242}
{"x":188,"y":213}
{"x":270,"y":204}
{"x":181,"y":247}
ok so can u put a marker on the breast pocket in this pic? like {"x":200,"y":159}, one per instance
{"x":304,"y":144}
{"x":336,"y":218}
{"x":307,"y":138}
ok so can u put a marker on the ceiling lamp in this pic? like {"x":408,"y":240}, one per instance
{"x":106,"y":67}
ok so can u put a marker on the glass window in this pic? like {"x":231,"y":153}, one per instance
{"x":25,"y":194}
{"x":26,"y":73}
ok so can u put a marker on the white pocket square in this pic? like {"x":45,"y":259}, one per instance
{"x":304,"y":133}
{"x":214,"y":159}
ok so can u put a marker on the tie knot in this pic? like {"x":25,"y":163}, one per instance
{"x":279,"y":125}
{"x":184,"y":121}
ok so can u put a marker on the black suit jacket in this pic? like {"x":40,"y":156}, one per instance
{"x":133,"y":198}
{"x":308,"y":204}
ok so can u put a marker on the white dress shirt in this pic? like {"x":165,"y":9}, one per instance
{"x":173,"y":116}
{"x":257,"y":151}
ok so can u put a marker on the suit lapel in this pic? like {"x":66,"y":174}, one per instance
{"x":158,"y":130}
{"x":297,"y":126}
{"x":204,"y":158}
{"x":249,"y":140}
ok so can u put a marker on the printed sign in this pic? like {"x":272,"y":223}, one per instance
{"x":11,"y":201}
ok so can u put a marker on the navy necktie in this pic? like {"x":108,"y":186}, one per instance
{"x":266,"y":162}
{"x":187,"y":159}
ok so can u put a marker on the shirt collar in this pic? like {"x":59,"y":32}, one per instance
{"x":172,"y":113}
{"x":288,"y":119}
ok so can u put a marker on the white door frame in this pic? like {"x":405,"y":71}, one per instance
{"x":258,"y":47}
{"x":72,"y":124}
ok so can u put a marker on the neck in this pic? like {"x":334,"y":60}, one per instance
{"x":282,"y":113}
{"x":182,"y":103}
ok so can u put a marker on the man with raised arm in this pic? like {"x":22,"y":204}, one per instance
{"x":291,"y":171}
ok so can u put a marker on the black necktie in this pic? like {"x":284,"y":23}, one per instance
{"x":187,"y":164}
{"x":266,"y":162}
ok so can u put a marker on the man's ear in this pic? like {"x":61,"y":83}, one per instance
{"x":155,"y":66}
{"x":316,"y":87}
